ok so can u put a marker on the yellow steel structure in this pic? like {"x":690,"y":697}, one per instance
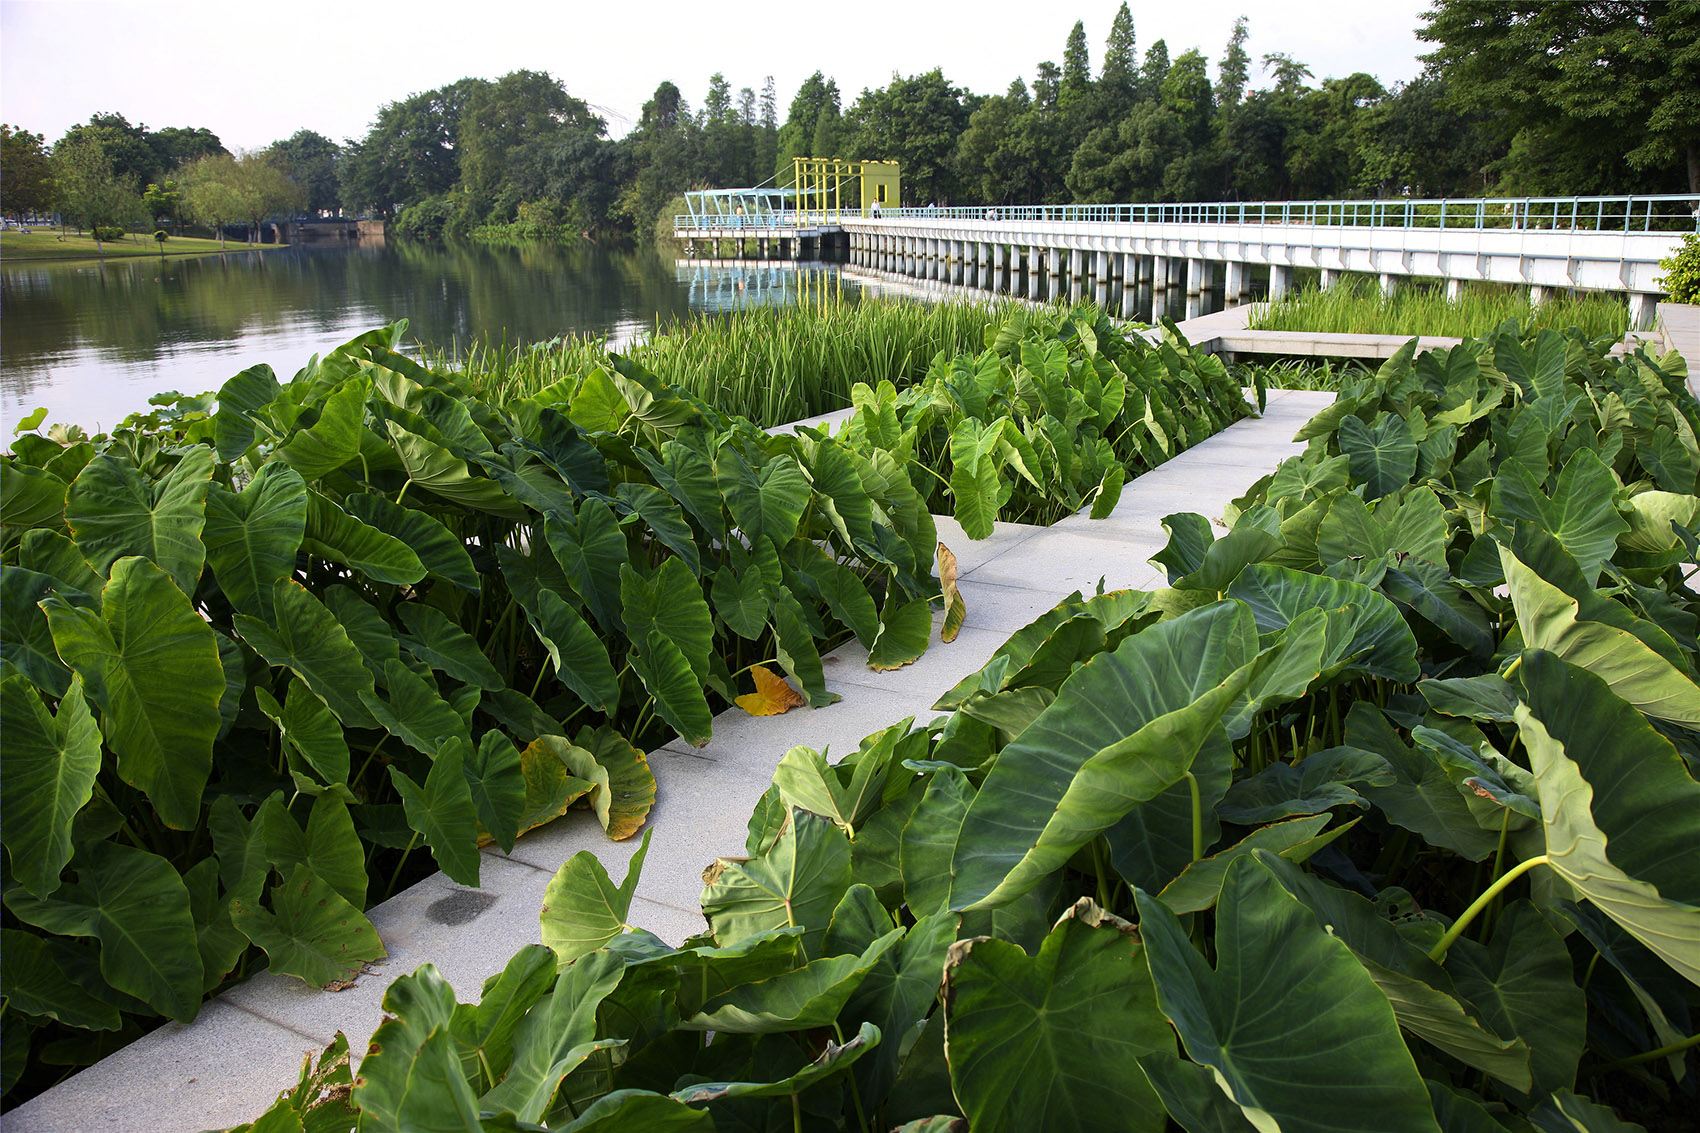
{"x":829,"y":188}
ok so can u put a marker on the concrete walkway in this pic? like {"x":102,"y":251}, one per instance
{"x":248,"y":1043}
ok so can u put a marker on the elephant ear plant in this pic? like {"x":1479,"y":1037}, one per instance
{"x":270,"y":654}
{"x":1383,"y":814}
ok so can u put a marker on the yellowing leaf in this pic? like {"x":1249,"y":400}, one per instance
{"x":955,"y":609}
{"x":772,"y":697}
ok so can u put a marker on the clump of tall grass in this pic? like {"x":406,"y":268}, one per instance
{"x":770,"y":364}
{"x":1296,"y":373}
{"x":1356,"y":306}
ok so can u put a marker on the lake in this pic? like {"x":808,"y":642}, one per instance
{"x":92,"y":343}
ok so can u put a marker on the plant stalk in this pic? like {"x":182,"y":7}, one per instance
{"x":1480,"y":903}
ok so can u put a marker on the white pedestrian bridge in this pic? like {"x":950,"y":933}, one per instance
{"x":1219,"y":252}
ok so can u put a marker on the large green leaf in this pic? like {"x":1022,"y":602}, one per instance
{"x":252,"y":536}
{"x":1422,"y":798}
{"x":929,"y":840}
{"x":1044,"y":1042}
{"x":37,"y":984}
{"x":136,"y":906}
{"x":810,"y":996}
{"x":630,"y":783}
{"x":671,"y":602}
{"x":29,"y":496}
{"x":239,"y":399}
{"x":442,"y":811}
{"x":414,"y":712}
{"x":26,"y":641}
{"x":582,"y":907}
{"x":591,"y":550}
{"x":834,"y":1060}
{"x":308,"y":639}
{"x":1382,"y":456}
{"x":974,"y":479}
{"x":1196,"y":560}
{"x":550,"y":785}
{"x":336,"y":535}
{"x":1282,"y":992}
{"x":113,"y":511}
{"x":497,"y":781}
{"x":678,"y":693}
{"x":799,"y":881}
{"x":328,"y":846}
{"x":50,"y":763}
{"x":656,"y":510}
{"x":556,"y":1037}
{"x":411,"y":1077}
{"x":432,"y":466}
{"x":333,"y":439}
{"x":794,"y":645}
{"x":150,"y":663}
{"x":579,"y":656}
{"x":1118,"y":713}
{"x":1381,"y":644}
{"x":905,"y":629}
{"x":1411,"y":524}
{"x":1581,"y":513}
{"x":309,"y":731}
{"x":444,"y":646}
{"x":1619,"y":808}
{"x":309,"y":932}
{"x":768,"y":503}
{"x":437,"y":547}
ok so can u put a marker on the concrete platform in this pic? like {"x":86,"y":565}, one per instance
{"x":248,"y":1043}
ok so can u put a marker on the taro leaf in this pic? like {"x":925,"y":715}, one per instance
{"x":329,"y":846}
{"x":113,"y":511}
{"x":686,"y":473}
{"x":30,"y":497}
{"x":799,"y":881}
{"x":1621,"y":812}
{"x":432,"y":466}
{"x":370,"y":632}
{"x":406,"y":1068}
{"x":904,"y":631}
{"x":1581,"y":513}
{"x":834,"y":1060}
{"x":309,"y":730}
{"x":591,"y":550}
{"x":772,"y":697}
{"x":929,"y":840}
{"x":1422,"y":799}
{"x":1653,"y":519}
{"x":677,"y":692}
{"x":1190,"y":1094}
{"x":239,"y":399}
{"x":1551,"y":620}
{"x":335,"y":535}
{"x":446,"y":647}
{"x":216,"y":939}
{"x":135,"y":904}
{"x":955,"y":609}
{"x":1125,"y":727}
{"x":51,"y":760}
{"x":897,"y":995}
{"x":740,"y":598}
{"x":1109,"y":491}
{"x":1283,"y":989}
{"x":624,"y":1110}
{"x":805,"y":779}
{"x":36,"y":984}
{"x":597,"y":407}
{"x":974,"y":475}
{"x":556,"y":1036}
{"x":150,"y":663}
{"x":1318,"y":782}
{"x":1383,"y":456}
{"x":839,"y":493}
{"x":1200,"y":883}
{"x":442,"y":811}
{"x":583,"y":909}
{"x":1414,"y":524}
{"x":334,"y":438}
{"x":310,"y":641}
{"x":1565,"y":1112}
{"x":309,"y":932}
{"x":811,"y":996}
{"x":665,"y":521}
{"x":252,"y":537}
{"x":670,"y":602}
{"x":1422,"y":994}
{"x":485,"y":1033}
{"x":794,"y":646}
{"x":414,"y":712}
{"x":497,"y":782}
{"x":1044,"y":1042}
{"x":1195,"y":562}
{"x":442,"y":553}
{"x":550,"y":786}
{"x":25,"y":639}
{"x":630,"y":783}
{"x":1523,"y":984}
{"x":1487,"y":697}
{"x":1380,"y":640}
{"x":579,"y":656}
{"x":769,"y":503}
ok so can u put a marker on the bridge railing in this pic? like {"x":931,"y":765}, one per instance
{"x":1672,"y":212}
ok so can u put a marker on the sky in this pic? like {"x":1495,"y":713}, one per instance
{"x":255,"y":73}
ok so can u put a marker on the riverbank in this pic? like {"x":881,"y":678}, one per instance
{"x":45,"y":245}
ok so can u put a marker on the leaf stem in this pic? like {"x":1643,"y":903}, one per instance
{"x":405,"y":854}
{"x":1197,"y":817}
{"x":1480,"y":903}
{"x":1676,"y":1047}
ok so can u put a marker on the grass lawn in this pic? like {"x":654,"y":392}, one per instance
{"x":45,"y":244}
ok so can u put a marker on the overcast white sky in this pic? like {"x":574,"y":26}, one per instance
{"x":254,"y":73}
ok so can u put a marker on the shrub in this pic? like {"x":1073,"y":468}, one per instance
{"x":1682,"y":271}
{"x":108,"y":232}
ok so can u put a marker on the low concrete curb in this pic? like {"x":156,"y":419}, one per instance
{"x":248,"y":1043}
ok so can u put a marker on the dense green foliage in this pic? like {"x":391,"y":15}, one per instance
{"x":1682,"y":271}
{"x":259,"y":648}
{"x":1385,"y":810}
{"x":1356,"y":306}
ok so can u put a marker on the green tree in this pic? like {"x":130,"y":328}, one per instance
{"x":1047,"y":82}
{"x":916,"y":121}
{"x":1077,"y":68}
{"x":1234,"y":70}
{"x":1118,"y":82}
{"x":209,"y":193}
{"x":311,"y":160}
{"x":263,"y":192}
{"x":410,"y":153}
{"x":128,"y":148}
{"x":178,"y":145}
{"x":26,"y":173}
{"x":87,"y":190}
{"x":163,"y":199}
{"x":767,"y":134}
{"x":1594,"y":79}
{"x":1154,"y":70}
{"x":818,"y":95}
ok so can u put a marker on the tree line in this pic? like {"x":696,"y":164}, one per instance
{"x":1518,"y":97}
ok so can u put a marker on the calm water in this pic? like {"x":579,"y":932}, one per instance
{"x":93,"y":343}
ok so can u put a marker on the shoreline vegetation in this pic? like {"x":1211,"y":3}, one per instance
{"x":44,"y":246}
{"x":1356,"y":306}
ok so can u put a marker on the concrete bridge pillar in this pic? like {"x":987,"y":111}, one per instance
{"x":1389,"y":284}
{"x":1160,"y":281}
{"x":1077,"y":274}
{"x":1130,"y":284}
{"x":1280,"y":281}
{"x":1101,"y":284}
{"x":1234,"y":284}
{"x":1641,"y":310}
{"x":939,"y":259}
{"x":1196,"y":283}
{"x":1054,"y":259}
{"x":1537,"y":295}
{"x":1000,"y":268}
{"x":1035,"y":269}
{"x":1329,"y":278}
{"x":1454,"y":290}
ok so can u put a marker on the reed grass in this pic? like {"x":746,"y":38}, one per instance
{"x":1356,"y":306}
{"x":770,"y":364}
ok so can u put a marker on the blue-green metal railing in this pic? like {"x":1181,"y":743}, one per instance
{"x":1674,"y":212}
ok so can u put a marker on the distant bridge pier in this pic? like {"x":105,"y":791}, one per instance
{"x":1330,"y":277}
{"x":1389,"y":284}
{"x":1281,"y":281}
{"x":1235,"y":288}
